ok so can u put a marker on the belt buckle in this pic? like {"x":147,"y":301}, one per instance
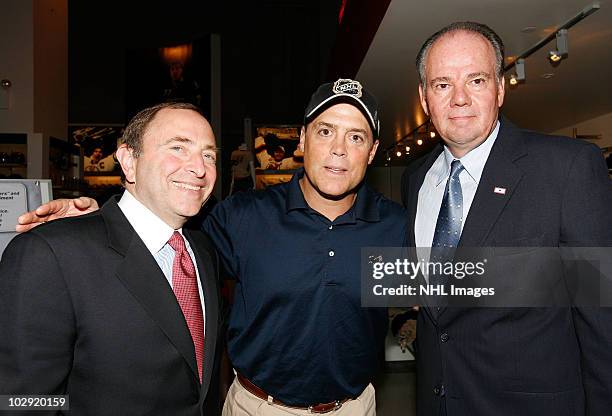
{"x":337,"y":405}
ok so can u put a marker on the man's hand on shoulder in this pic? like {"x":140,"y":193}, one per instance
{"x":52,"y":210}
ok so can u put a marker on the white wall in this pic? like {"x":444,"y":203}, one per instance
{"x":599,"y":125}
{"x":34,"y":57}
{"x":17,"y":65}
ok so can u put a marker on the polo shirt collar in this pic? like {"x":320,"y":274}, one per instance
{"x":364,"y":208}
{"x":295,"y":197}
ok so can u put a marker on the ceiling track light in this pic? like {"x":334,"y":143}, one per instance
{"x":519,"y":75}
{"x":520,"y":69}
{"x":560,"y":34}
{"x":562,"y":49}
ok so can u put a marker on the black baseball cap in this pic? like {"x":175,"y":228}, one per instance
{"x":344,"y":91}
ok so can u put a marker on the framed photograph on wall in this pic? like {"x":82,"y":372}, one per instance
{"x":99,"y":143}
{"x":276,"y":154}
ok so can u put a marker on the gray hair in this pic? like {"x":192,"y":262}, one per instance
{"x":479,"y":28}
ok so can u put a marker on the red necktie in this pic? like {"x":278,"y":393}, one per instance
{"x":185,"y":286}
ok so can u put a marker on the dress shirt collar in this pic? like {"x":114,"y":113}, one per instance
{"x":364,"y":208}
{"x":154,"y":232}
{"x":473,"y":162}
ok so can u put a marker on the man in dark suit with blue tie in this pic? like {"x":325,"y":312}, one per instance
{"x":492,"y":184}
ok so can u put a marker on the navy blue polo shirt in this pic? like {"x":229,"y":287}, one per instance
{"x":297,"y":329}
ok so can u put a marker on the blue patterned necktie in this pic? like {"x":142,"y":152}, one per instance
{"x":448,"y":226}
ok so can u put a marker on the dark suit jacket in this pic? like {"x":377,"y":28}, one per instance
{"x":522,"y":361}
{"x":86,"y":311}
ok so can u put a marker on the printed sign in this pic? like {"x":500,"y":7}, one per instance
{"x":16,"y":197}
{"x":13,"y":203}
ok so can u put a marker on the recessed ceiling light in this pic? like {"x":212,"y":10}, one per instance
{"x":528,"y":29}
{"x":548,"y":75}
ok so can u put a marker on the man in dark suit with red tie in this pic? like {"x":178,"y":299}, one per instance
{"x":491,"y":184}
{"x":119,"y":309}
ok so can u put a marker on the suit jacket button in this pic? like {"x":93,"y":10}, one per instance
{"x":444,"y":337}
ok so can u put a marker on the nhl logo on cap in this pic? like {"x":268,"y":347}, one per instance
{"x":346,"y":91}
{"x":347,"y":86}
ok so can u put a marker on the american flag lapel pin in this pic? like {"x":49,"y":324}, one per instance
{"x":499,"y":190}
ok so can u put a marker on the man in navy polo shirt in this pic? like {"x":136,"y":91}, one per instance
{"x":297,"y":331}
{"x":298,"y":337}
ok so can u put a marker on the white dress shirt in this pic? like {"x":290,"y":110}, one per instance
{"x":155,"y":234}
{"x":432,"y":189}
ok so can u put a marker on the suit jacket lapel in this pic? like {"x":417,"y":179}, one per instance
{"x":499,"y":172}
{"x":141,"y":275}
{"x":204,"y":253}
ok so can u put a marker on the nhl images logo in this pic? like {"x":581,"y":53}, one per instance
{"x":347,"y":86}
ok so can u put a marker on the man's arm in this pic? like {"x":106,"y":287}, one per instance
{"x":37,"y":322}
{"x":52,"y":210}
{"x":587,"y":222}
{"x":225,"y":227}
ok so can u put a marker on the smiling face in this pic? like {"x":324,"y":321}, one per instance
{"x":175,"y":173}
{"x":338,"y":147}
{"x":462,"y":96}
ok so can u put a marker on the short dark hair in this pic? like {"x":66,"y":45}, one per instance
{"x":479,"y":28}
{"x":137,"y":127}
